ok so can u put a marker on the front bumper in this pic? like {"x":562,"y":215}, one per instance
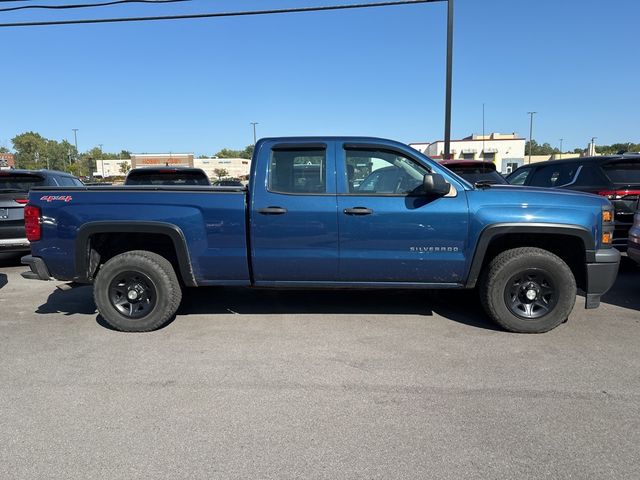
{"x":601,"y":275}
{"x":39,"y":270}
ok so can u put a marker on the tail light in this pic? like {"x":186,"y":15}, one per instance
{"x":619,"y":194}
{"x":21,"y":201}
{"x":32,"y":223}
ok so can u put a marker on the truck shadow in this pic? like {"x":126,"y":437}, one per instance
{"x":458,"y":306}
{"x":11,"y":259}
{"x":626,"y":291}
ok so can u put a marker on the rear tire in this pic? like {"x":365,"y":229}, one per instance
{"x":137,"y":291}
{"x":528,"y":290}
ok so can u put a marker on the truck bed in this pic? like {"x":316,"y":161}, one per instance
{"x":212,"y":220}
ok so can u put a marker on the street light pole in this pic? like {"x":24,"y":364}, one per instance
{"x":254,"y":131}
{"x":449,"y":74}
{"x":561,"y":147}
{"x":101,"y":161}
{"x":531,"y":114}
{"x":75,"y":139}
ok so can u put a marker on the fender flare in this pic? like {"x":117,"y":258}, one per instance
{"x":488,"y":234}
{"x":83,"y":253}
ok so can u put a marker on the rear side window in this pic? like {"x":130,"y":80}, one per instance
{"x":554,"y":175}
{"x":298,"y":171}
{"x":67,"y":182}
{"x":624,"y":172}
{"x":19,"y":182}
{"x":589,"y":176}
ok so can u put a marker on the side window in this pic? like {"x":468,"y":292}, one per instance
{"x":554,"y":175}
{"x":520,"y":177}
{"x":371,"y":172}
{"x":298,"y":171}
{"x":589,"y":177}
{"x":66,"y":182}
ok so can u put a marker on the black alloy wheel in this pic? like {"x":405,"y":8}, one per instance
{"x":133,"y":294}
{"x":137,"y":291}
{"x":531,"y":294}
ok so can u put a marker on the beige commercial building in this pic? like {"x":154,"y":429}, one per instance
{"x":235,"y":167}
{"x":111,"y":168}
{"x":505,"y":150}
{"x":158,"y":159}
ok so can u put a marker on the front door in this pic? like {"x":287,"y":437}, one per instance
{"x":389,"y":231}
{"x":294,"y":222}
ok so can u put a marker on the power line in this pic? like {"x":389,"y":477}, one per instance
{"x":84,"y":5}
{"x":218,"y":14}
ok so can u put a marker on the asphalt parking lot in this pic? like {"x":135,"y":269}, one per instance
{"x":262,"y":384}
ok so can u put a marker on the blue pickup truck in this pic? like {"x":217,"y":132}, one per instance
{"x":327,"y":212}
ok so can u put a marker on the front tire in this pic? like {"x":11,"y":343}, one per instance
{"x":137,"y":291}
{"x":528,"y":290}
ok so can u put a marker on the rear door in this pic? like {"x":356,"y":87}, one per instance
{"x":389,"y":232}
{"x":14,"y":191}
{"x":293,"y":214}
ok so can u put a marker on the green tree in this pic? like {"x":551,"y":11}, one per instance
{"x":537,"y":149}
{"x":124,"y":168}
{"x":220,"y":172}
{"x":28,"y":146}
{"x":4,"y":150}
{"x":229,"y":153}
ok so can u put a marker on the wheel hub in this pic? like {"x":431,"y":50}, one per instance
{"x":530,"y":291}
{"x":135,"y":292}
{"x":531,"y":294}
{"x":132,"y":294}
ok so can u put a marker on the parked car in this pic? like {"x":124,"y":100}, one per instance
{"x":475,"y":171}
{"x":167,"y":176}
{"x":615,"y":177}
{"x":634,"y":238}
{"x":301,"y":225}
{"x":14,"y":190}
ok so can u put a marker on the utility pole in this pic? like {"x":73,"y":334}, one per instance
{"x":561,"y":147}
{"x":447,"y":102}
{"x":101,"y":161}
{"x":254,"y":131}
{"x":483,"y":132}
{"x":531,"y":114}
{"x":75,"y":138}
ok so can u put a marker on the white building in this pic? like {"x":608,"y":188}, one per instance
{"x":235,"y":167}
{"x":505,"y":150}
{"x":111,"y":168}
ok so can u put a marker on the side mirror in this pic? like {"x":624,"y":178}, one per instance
{"x":435,"y":184}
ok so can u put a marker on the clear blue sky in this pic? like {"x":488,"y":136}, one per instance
{"x":195,"y":85}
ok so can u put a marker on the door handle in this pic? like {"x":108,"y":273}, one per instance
{"x":272,"y":211}
{"x":358,"y":211}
